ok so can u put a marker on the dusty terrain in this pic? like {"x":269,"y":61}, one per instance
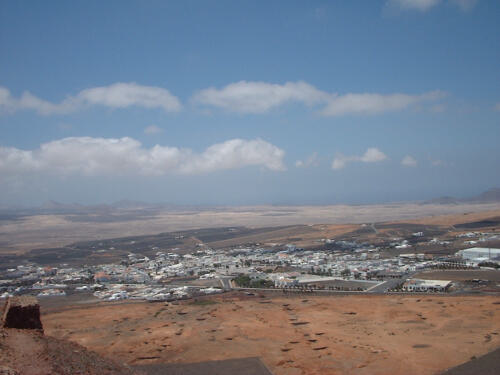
{"x":309,"y":236}
{"x":454,"y":219}
{"x":29,"y":352}
{"x":392,"y":334}
{"x":29,"y":232}
{"x":459,"y":275}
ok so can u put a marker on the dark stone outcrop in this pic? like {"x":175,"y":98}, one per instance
{"x":22,"y":313}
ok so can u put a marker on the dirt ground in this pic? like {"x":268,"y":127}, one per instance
{"x":423,"y":334}
{"x":29,"y":352}
{"x":458,"y":218}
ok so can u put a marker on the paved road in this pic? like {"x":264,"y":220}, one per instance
{"x":389,"y":284}
{"x":226,"y":282}
{"x":383,"y":287}
{"x":242,"y":366}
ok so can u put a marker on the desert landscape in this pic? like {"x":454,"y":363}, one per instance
{"x":52,"y":228}
{"x":394,"y":334}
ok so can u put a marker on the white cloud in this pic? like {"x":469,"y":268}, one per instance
{"x":421,"y":5}
{"x":310,"y":161}
{"x":409,"y":161}
{"x":259,"y":97}
{"x":376,"y":103}
{"x":242,"y":97}
{"x":126,"y":156}
{"x":118,"y":95}
{"x":372,"y":155}
{"x":153,"y":129}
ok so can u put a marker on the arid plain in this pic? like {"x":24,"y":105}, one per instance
{"x":55,"y":230}
{"x":391,"y":334}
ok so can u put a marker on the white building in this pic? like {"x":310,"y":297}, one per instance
{"x":419,"y":285}
{"x":285,"y":282}
{"x":480,"y":254}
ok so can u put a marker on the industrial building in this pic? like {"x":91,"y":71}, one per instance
{"x":419,"y":285}
{"x":480,"y":254}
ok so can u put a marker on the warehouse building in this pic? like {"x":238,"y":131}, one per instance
{"x":480,"y":254}
{"x":419,"y":285}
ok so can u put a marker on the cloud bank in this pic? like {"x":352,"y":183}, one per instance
{"x":126,"y":156}
{"x":241,"y":97}
{"x":118,"y":95}
{"x":261,"y":97}
{"x":376,"y":103}
{"x":372,"y":155}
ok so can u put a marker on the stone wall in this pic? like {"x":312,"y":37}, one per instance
{"x":22,"y":313}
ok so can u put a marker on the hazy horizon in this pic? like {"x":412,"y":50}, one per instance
{"x":121,"y":203}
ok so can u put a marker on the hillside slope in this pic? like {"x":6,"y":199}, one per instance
{"x":29,"y":352}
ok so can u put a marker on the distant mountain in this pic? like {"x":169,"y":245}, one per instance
{"x":492,"y":195}
{"x":489,"y":196}
{"x":57,"y":207}
{"x":54,"y":205}
{"x":125,"y":205}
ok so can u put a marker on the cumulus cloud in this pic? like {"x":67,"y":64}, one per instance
{"x":372,"y":155}
{"x":261,"y":97}
{"x":409,"y":161}
{"x":369,"y":103}
{"x":126,"y":156}
{"x":153,"y":129}
{"x":118,"y":95}
{"x":310,"y":161}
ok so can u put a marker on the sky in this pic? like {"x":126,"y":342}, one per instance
{"x":248,"y":102}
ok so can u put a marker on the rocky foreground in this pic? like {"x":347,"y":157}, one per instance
{"x":25,"y":350}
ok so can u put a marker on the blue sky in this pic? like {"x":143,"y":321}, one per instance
{"x":239,"y":102}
